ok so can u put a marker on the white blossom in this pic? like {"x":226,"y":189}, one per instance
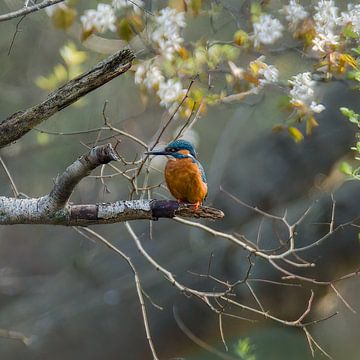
{"x":170,"y":92}
{"x":137,"y":5}
{"x":322,"y":42}
{"x":327,"y":22}
{"x":270,"y":74}
{"x":171,"y":19}
{"x":317,"y":108}
{"x":352,"y":16}
{"x":267,"y":30}
{"x":149,"y":75}
{"x":294,"y":13}
{"x":101,"y":19}
{"x":326,"y":17}
{"x":266,"y":74}
{"x":302,"y":92}
{"x":166,"y":34}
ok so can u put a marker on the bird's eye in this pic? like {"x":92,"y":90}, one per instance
{"x":171,"y":149}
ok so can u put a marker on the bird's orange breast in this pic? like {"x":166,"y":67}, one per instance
{"x":184,"y":181}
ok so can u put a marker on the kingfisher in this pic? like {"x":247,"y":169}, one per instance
{"x":184,"y":175}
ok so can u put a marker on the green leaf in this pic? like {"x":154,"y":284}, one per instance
{"x":255,"y":10}
{"x":346,"y":168}
{"x":196,"y":6}
{"x":42,"y":138}
{"x":353,"y":75}
{"x":349,"y":32}
{"x":356,"y":50}
{"x":245,"y":349}
{"x":350,"y":114}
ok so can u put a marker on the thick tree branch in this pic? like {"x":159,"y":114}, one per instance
{"x":31,"y":211}
{"x":28,"y":9}
{"x":54,"y":208}
{"x":18,"y":124}
{"x":82,"y":167}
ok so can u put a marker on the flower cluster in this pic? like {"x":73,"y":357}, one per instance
{"x":170,"y":92}
{"x":167,"y":25}
{"x":101,"y":19}
{"x":294,"y":13}
{"x":166,"y":34}
{"x":257,"y":75}
{"x":267,"y":30}
{"x":326,"y":23}
{"x":268,"y":74}
{"x":302,"y":93}
{"x":352,"y":17}
{"x":149,"y":75}
{"x":263,"y":73}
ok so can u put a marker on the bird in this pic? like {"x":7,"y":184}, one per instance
{"x":184,"y":175}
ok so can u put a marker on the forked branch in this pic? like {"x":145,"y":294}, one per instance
{"x":55,"y":208}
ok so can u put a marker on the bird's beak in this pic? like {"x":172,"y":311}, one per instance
{"x":157,"y":153}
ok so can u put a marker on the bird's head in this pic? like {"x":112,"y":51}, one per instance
{"x":178,"y":149}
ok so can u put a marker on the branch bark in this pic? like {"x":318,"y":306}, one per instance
{"x":55,"y":209}
{"x":28,"y":9}
{"x":18,"y":124}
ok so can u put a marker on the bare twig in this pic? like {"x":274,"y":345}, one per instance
{"x":312,"y":341}
{"x":139,"y":289}
{"x":17,"y":30}
{"x":12,"y":183}
{"x":222,"y":332}
{"x":198,"y":341}
{"x":338,"y":294}
{"x":28,"y":9}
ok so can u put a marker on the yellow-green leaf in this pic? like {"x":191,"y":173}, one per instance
{"x":311,"y":123}
{"x":63,"y":18}
{"x":196,"y":6}
{"x":60,"y":73}
{"x":42,"y":138}
{"x":296,"y":134}
{"x":346,"y":168}
{"x":71,"y":55}
{"x":241,"y":37}
{"x":128,"y":27}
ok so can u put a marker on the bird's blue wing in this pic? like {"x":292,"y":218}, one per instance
{"x":203,"y":175}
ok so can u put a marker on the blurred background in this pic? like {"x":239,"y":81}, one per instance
{"x":77,"y":300}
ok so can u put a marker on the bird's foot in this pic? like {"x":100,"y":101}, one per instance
{"x":197,"y":205}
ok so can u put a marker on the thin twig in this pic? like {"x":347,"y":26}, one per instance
{"x":198,"y":341}
{"x":14,"y":35}
{"x":28,"y":9}
{"x":12,"y":183}
{"x":137,"y":283}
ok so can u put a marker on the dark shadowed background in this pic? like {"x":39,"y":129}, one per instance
{"x":77,"y":300}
